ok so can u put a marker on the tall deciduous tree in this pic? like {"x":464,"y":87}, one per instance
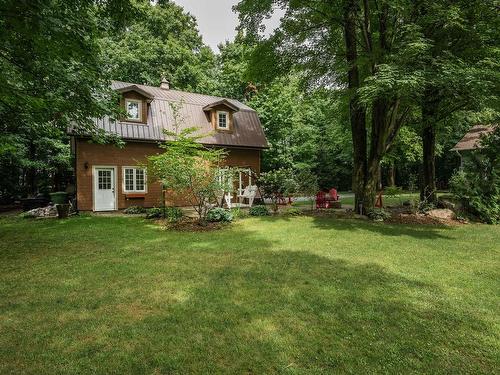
{"x":460,"y":68}
{"x":161,"y":40}
{"x":365,"y":48}
{"x":52,"y":74}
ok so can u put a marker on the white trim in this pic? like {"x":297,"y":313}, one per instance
{"x":124,"y":190}
{"x":138,"y":101}
{"x":115,"y":179}
{"x":217,"y":120}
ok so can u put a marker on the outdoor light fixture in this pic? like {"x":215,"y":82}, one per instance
{"x":86,"y":165}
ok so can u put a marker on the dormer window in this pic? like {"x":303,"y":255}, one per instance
{"x":222,"y":120}
{"x":134,"y":109}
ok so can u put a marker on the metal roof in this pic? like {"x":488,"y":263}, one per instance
{"x":471,"y":140}
{"x":247,"y":131}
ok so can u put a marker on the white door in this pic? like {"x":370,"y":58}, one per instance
{"x":104,"y":189}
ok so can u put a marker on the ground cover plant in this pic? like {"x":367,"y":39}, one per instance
{"x":264,"y":295}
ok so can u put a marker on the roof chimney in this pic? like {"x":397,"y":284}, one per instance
{"x":165,"y":85}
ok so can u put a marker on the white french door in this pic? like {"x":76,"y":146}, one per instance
{"x":104,"y":189}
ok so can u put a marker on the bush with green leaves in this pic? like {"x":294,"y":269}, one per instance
{"x":477,"y":186}
{"x":259,"y":210}
{"x":393,"y":191}
{"x":172,"y":214}
{"x":239,"y":213}
{"x":219,"y":215}
{"x":277,"y":184}
{"x":133,"y":210}
{"x":293,"y":211}
{"x":378,"y":214}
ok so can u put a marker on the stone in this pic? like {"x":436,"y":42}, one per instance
{"x":49,"y":211}
{"x":442,"y":213}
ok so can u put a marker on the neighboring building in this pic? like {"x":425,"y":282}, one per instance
{"x":471,"y":140}
{"x":109,"y":178}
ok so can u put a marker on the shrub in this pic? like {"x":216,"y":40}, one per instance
{"x":132,"y":210}
{"x":477,"y":186}
{"x":239,"y":213}
{"x":219,"y":214}
{"x":172,"y":214}
{"x":378,"y":214}
{"x":293,"y":211}
{"x":259,"y":211}
{"x":393,"y":191}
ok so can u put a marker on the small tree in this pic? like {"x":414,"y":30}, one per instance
{"x":277,"y":184}
{"x":189,"y":169}
{"x":307,"y":184}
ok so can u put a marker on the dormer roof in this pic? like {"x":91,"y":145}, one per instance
{"x":221,"y":103}
{"x":138,"y":90}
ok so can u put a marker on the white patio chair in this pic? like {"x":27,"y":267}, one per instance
{"x":249,"y":193}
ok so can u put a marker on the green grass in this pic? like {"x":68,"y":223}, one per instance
{"x":102,"y":295}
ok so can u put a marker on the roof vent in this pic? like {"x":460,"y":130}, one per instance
{"x":165,"y":85}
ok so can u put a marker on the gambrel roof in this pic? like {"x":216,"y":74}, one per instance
{"x":247,"y":130}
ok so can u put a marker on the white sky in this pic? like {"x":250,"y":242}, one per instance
{"x":216,"y":20}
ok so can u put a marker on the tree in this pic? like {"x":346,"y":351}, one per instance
{"x":277,"y":184}
{"x":363,"y":48}
{"x":460,"y":68}
{"x":52,"y":77}
{"x":186,"y":168}
{"x":161,"y":41}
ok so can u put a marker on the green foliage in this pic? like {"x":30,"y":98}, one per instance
{"x":292,"y":211}
{"x":162,"y":40}
{"x":134,"y":210}
{"x":239,"y":213}
{"x":172,"y":214}
{"x":378,"y":214}
{"x":259,"y":210}
{"x":393,"y":191}
{"x":219,"y":214}
{"x":478,"y":184}
{"x":188,"y":169}
{"x":52,"y":78}
{"x":277,"y":184}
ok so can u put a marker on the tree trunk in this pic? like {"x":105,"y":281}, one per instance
{"x":429,"y":109}
{"x":391,"y":175}
{"x":357,"y":113}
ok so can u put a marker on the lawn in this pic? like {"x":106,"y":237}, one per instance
{"x":118,"y":295}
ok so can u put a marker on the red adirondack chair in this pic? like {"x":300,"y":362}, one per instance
{"x":321,"y":201}
{"x":333,"y":195}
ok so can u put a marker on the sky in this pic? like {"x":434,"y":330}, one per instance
{"x":216,"y":20}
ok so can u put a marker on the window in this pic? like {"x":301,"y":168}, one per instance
{"x":133,"y":108}
{"x":134,"y":180}
{"x":222,"y":120}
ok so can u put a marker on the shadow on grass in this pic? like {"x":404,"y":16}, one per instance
{"x":386,"y":229}
{"x":263,"y":312}
{"x":224,"y":302}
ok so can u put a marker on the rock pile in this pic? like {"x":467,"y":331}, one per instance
{"x":49,"y":211}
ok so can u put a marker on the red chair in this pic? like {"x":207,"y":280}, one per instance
{"x":334,"y":196}
{"x":321,"y":201}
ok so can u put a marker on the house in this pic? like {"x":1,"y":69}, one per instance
{"x":110,"y":178}
{"x":471,"y":140}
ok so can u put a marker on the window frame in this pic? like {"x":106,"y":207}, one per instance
{"x":134,"y":180}
{"x":139,"y":102}
{"x":217,"y":119}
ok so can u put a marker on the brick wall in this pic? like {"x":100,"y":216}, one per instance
{"x":132,"y":154}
